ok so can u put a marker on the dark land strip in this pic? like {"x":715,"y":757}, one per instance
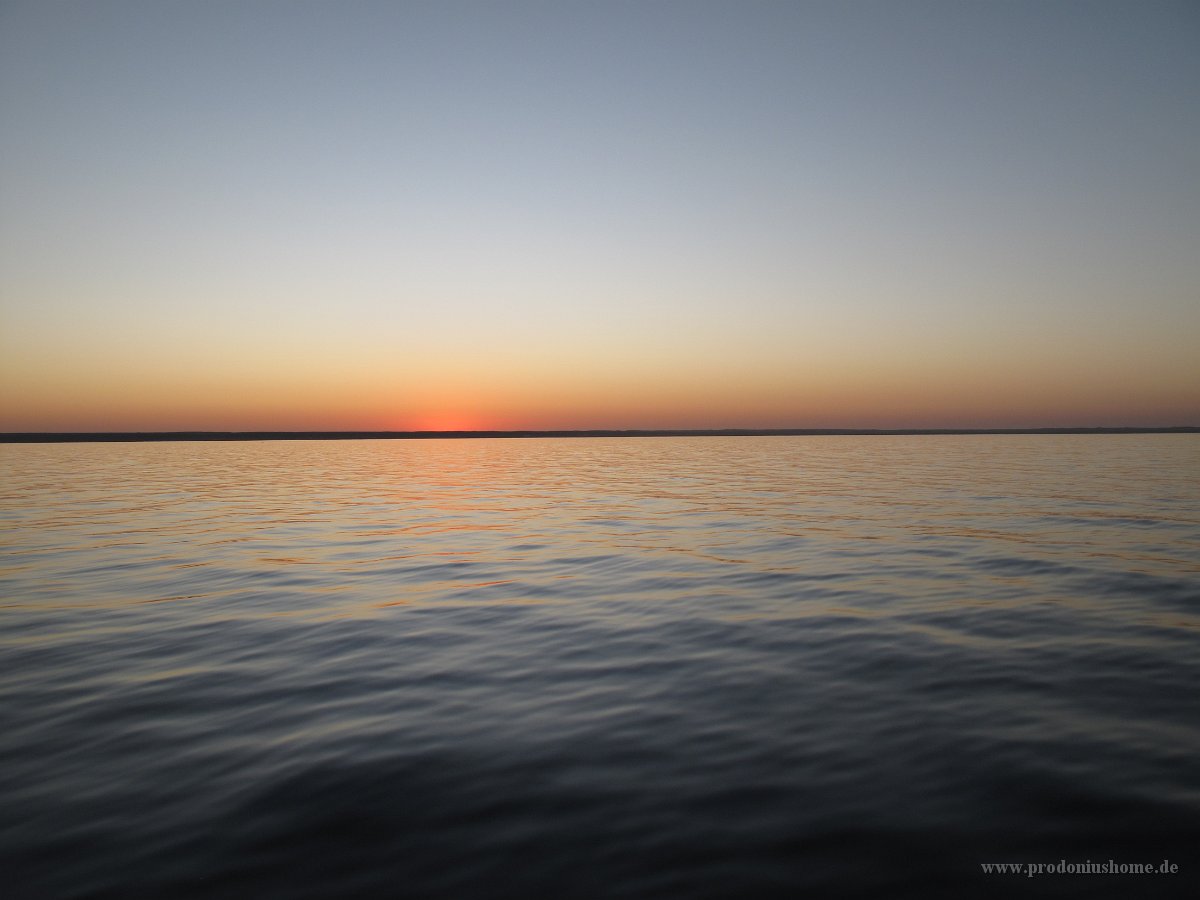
{"x":63,"y":437}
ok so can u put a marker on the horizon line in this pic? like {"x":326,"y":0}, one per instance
{"x":59,"y":437}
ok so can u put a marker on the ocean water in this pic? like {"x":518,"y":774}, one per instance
{"x":660,"y":667}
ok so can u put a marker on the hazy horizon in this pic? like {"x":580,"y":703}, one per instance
{"x":536,"y":216}
{"x":320,"y":433}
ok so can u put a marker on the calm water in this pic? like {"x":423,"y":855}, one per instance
{"x":677,"y":667}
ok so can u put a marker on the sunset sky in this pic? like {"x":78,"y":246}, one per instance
{"x":401,"y":215}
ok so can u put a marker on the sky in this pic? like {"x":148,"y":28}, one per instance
{"x":450,"y":215}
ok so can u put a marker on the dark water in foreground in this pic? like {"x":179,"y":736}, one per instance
{"x":679,"y":667}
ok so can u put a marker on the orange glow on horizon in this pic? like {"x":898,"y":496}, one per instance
{"x":491,"y":393}
{"x":443,"y":422}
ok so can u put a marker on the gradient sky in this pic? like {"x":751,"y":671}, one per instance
{"x":294,"y":215}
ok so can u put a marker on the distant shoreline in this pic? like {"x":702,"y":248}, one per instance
{"x":49,"y":437}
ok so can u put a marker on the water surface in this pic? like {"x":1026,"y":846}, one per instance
{"x":659,"y":667}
